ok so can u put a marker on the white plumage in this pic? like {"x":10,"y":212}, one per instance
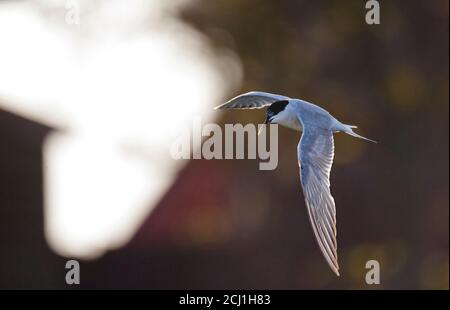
{"x":315,"y":153}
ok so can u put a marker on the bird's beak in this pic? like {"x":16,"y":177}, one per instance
{"x":261,"y":129}
{"x":266,"y":121}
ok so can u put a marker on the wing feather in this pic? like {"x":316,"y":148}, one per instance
{"x":252,"y":100}
{"x":315,"y":155}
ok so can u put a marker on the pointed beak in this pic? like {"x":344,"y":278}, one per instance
{"x":266,"y":121}
{"x":261,"y":129}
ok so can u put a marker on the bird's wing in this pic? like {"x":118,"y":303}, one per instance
{"x":252,"y":100}
{"x":315,"y":155}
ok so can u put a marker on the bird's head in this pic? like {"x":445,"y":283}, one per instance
{"x":273,"y":111}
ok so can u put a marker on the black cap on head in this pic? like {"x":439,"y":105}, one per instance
{"x":274,"y":109}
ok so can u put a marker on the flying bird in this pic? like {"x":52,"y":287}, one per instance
{"x":315,"y":153}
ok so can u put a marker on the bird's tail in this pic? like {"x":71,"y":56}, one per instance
{"x":348,"y":130}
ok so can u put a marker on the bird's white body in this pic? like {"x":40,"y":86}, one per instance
{"x":315,"y":157}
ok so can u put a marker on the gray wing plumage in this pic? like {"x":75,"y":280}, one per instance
{"x":252,"y":100}
{"x":315,"y":155}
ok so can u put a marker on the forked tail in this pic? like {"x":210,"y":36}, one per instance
{"x":348,"y":130}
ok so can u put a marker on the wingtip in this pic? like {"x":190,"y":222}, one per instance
{"x":335,"y":269}
{"x":222,"y":106}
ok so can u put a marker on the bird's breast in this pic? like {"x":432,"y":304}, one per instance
{"x":291,"y":121}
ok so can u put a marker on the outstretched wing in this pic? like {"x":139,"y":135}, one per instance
{"x":315,"y":155}
{"x":252,"y":100}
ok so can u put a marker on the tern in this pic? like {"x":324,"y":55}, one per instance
{"x":315,"y":153}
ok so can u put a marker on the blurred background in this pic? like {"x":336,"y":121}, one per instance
{"x":92,"y":94}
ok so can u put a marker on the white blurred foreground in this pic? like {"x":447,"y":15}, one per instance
{"x":116,"y":87}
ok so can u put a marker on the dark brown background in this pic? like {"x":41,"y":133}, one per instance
{"x":225,"y":224}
